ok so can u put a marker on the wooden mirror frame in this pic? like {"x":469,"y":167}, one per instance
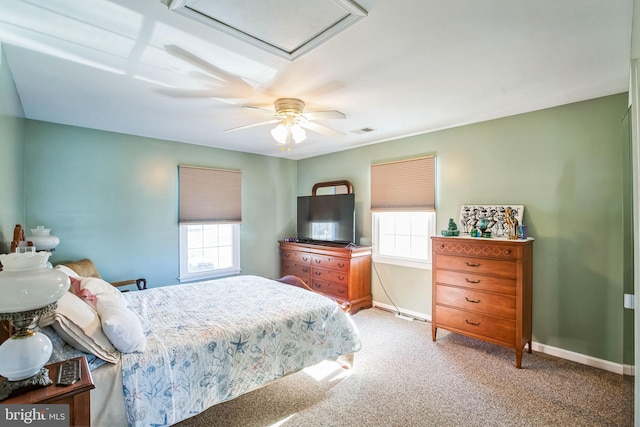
{"x":332,"y":184}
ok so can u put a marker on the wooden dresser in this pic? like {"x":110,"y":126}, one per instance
{"x":482,"y":288}
{"x":339,"y":272}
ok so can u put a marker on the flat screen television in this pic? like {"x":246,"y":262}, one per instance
{"x":327,"y":218}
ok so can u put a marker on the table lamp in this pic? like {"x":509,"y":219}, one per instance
{"x":29,"y":290}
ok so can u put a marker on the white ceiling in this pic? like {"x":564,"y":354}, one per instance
{"x":408,"y":67}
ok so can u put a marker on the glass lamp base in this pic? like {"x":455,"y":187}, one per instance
{"x":24,"y":354}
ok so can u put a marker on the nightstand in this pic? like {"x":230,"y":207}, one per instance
{"x":77,"y":395}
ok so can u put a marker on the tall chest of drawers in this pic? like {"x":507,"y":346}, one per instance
{"x":338,"y":272}
{"x":482,"y":288}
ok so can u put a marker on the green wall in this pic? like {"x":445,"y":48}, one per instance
{"x":11,"y":157}
{"x":569,"y":167}
{"x":114,"y":198}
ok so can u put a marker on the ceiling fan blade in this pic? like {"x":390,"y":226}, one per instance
{"x":203,"y":77}
{"x":324,"y":130}
{"x":221,"y":92}
{"x":252,"y":125}
{"x":320,"y":115}
{"x":235,"y":83}
{"x":253,"y":107}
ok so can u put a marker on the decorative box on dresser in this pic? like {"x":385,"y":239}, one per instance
{"x":482,"y":288}
{"x":340,"y":272}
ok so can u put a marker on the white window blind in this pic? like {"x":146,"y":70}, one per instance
{"x":209,"y":195}
{"x":406,"y":185}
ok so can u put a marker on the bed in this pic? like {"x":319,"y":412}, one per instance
{"x":209,"y":342}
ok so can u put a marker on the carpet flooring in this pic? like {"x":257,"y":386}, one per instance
{"x":403,"y":378}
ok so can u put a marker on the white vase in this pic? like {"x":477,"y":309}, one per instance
{"x":42,"y":239}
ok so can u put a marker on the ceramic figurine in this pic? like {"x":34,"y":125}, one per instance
{"x":512,"y":223}
{"x":18,"y":236}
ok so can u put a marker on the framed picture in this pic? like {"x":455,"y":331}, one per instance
{"x":495,"y":214}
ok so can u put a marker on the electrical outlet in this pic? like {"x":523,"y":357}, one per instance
{"x":630,"y":301}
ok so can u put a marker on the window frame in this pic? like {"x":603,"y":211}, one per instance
{"x":185,"y":276}
{"x":425,"y":264}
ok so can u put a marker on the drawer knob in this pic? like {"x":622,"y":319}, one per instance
{"x":341,"y":291}
{"x":340,"y":278}
{"x":441,"y":246}
{"x":476,"y":301}
{"x":471,"y":323}
{"x":470,"y":264}
{"x":341,"y":265}
{"x":305,"y":270}
{"x":318,"y":261}
{"x":507,"y":252}
{"x":472,"y":281}
{"x":304,"y":258}
{"x":318,"y":273}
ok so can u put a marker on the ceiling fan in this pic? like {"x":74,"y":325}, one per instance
{"x":292,"y":122}
{"x":288,"y":113}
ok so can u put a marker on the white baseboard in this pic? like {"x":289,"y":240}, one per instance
{"x":409,"y":313}
{"x":606,"y":365}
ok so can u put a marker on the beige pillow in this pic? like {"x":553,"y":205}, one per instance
{"x":66,"y":270}
{"x":79,"y":325}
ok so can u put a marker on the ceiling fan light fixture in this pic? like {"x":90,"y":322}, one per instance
{"x":292,"y":123}
{"x":298,"y":133}
{"x":280,"y":134}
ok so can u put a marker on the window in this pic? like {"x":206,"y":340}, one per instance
{"x":403,"y":237}
{"x":209,"y":250}
{"x":403,"y":209}
{"x":210,"y":216}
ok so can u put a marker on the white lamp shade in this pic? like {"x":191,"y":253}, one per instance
{"x":42,"y":239}
{"x":298,"y":133}
{"x":25,"y":283}
{"x":23,"y":357}
{"x":280,"y":133}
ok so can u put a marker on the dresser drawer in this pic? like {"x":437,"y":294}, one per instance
{"x":481,"y":302}
{"x":476,"y":248}
{"x":340,"y":277}
{"x":301,"y":270}
{"x":331,"y":263}
{"x":478,"y":265}
{"x":500,"y":285}
{"x":298,"y":257}
{"x":330,"y":288}
{"x":493,"y":328}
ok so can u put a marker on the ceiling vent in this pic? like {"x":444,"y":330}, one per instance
{"x":362,"y":131}
{"x":287,"y":28}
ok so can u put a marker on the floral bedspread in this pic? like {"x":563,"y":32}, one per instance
{"x":212,"y":341}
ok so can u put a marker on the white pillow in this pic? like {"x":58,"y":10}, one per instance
{"x":102,"y":290}
{"x":79,"y":325}
{"x":66,"y":270}
{"x":121,"y":325}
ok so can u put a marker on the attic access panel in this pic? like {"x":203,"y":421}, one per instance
{"x":287,"y":28}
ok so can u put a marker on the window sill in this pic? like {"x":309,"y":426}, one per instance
{"x":207,"y":275}
{"x":402,"y":262}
